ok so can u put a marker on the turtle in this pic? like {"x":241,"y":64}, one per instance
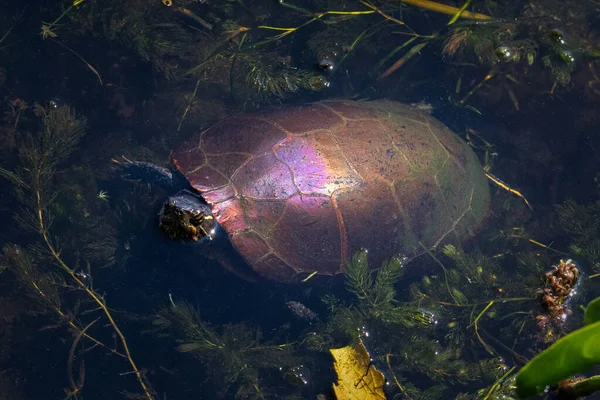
{"x":299,"y":189}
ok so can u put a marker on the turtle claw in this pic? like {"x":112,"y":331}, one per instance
{"x":126,"y":168}
{"x":121,"y":164}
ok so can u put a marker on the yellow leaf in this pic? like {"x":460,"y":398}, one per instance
{"x":358,"y":379}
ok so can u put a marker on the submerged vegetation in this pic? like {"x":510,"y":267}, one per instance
{"x":236,"y":359}
{"x":80,"y":257}
{"x":403,"y":340}
{"x":412,"y":343}
{"x":573,"y":354}
{"x":269,"y":51}
{"x":42,"y":270}
{"x":583,"y":225}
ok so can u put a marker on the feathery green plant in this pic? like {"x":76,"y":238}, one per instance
{"x":235,"y":355}
{"x":583,"y":223}
{"x":377,"y":294}
{"x":49,"y":281}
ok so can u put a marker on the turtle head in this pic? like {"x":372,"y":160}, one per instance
{"x":185,"y":216}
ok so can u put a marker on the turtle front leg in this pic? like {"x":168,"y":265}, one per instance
{"x":148,"y":172}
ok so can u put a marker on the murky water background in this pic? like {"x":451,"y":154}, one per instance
{"x":521,"y":88}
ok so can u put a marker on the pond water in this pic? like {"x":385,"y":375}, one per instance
{"x":417,"y":180}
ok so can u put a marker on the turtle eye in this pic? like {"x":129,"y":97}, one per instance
{"x":169,"y":206}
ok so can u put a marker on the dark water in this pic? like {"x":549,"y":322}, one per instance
{"x":127,"y":68}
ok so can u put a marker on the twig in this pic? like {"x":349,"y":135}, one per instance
{"x":497,"y":383}
{"x":72,"y":324}
{"x":489,"y":76}
{"x":508,"y":189}
{"x":47,"y":28}
{"x":315,"y":17}
{"x":445,"y":9}
{"x":402,"y":388}
{"x":189,"y":104}
{"x":82,"y":59}
{"x":196,"y":18}
{"x":460,"y":12}
{"x":12,"y":26}
{"x":486,"y":346}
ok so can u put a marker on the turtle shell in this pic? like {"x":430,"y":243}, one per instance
{"x":300,"y":189}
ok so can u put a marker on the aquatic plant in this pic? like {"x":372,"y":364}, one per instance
{"x":502,"y":389}
{"x":249,"y":52}
{"x":40,"y":157}
{"x":402,"y":337}
{"x":376,"y":295}
{"x":573,"y":354}
{"x":255,"y":52}
{"x":259,"y":76}
{"x":582,"y":223}
{"x":236,"y":357}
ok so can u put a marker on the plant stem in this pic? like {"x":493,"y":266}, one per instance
{"x":99,"y":300}
{"x":445,"y":9}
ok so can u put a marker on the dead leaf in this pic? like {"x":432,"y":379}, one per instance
{"x":358,"y":379}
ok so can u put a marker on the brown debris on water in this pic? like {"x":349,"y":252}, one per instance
{"x":560,"y":287}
